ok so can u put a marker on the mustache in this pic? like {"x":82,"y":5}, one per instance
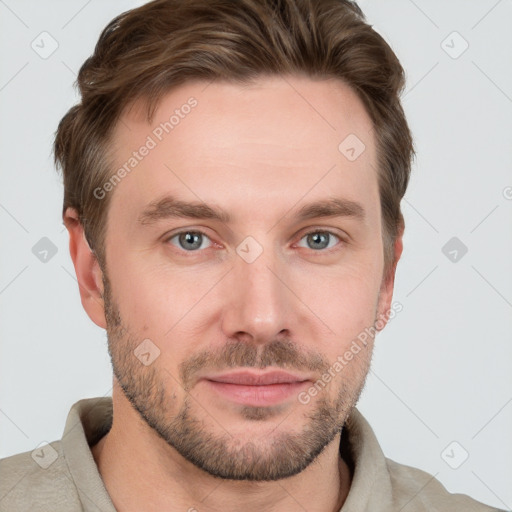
{"x":282,"y":353}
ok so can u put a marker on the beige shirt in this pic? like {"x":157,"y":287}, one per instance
{"x":63,"y":477}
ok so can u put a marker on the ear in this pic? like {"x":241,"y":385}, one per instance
{"x":87,"y":269}
{"x":388,"y":282}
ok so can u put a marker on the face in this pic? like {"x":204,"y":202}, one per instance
{"x":243,"y":238}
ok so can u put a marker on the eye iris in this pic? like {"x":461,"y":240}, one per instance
{"x":192,"y":238}
{"x":319,"y":238}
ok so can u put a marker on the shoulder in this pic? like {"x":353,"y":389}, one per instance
{"x":37,"y":480}
{"x":424,"y":492}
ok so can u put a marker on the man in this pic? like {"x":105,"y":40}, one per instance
{"x":233,"y":177}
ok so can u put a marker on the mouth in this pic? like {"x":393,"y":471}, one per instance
{"x":256,"y":388}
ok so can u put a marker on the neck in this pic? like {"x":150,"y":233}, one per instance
{"x":142,"y":472}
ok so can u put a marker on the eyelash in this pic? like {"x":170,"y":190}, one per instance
{"x":312,"y":232}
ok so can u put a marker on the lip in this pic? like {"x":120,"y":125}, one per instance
{"x":256,"y":388}
{"x":248,"y":378}
{"x":264,"y":395}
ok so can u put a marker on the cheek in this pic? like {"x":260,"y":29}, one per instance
{"x":344,"y":300}
{"x":138,"y":294}
{"x":161,"y":304}
{"x":158,"y":302}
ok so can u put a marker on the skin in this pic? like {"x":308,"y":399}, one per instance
{"x":259,"y":152}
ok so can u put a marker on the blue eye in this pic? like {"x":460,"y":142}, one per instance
{"x":318,"y":240}
{"x":189,"y":240}
{"x":193,"y":240}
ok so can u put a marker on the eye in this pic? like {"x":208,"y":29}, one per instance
{"x":193,"y":240}
{"x":318,"y":240}
{"x":189,"y":240}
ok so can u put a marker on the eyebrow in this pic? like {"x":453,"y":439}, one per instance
{"x":170,"y":207}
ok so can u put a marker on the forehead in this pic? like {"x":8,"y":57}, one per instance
{"x":279,"y":139}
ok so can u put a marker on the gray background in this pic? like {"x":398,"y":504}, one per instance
{"x":441,"y":370}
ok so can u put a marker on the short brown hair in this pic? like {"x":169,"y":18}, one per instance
{"x":145,"y":52}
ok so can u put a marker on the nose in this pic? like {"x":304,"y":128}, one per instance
{"x":260,"y":305}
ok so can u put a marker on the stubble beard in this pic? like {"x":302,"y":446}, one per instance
{"x":221,"y":455}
